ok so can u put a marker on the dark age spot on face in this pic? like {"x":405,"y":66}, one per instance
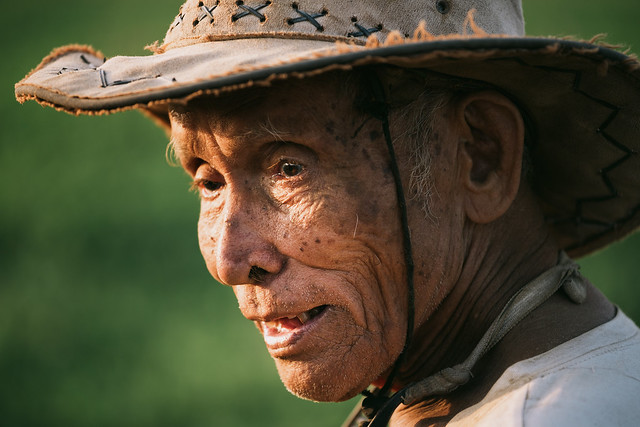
{"x":305,"y":244}
{"x":318,"y":240}
{"x":370,"y":161}
{"x":354,"y":188}
{"x":371,"y":209}
{"x":341,"y":139}
{"x":330,"y":127}
{"x":368,"y":208}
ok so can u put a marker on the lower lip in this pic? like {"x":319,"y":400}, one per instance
{"x":281,"y":342}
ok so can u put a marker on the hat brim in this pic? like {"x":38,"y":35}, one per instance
{"x":583,"y":102}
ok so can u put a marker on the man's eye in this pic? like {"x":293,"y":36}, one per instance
{"x":211,"y":186}
{"x":290,"y":170}
{"x":207,"y":188}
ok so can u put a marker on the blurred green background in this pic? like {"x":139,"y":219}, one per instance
{"x":107,"y":314}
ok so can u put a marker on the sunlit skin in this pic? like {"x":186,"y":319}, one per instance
{"x":299,"y":197}
{"x":296,"y":182}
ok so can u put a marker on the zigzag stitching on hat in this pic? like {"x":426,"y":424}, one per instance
{"x":578,"y":218}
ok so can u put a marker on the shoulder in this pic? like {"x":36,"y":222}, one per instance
{"x":592,"y":380}
{"x":583,"y":396}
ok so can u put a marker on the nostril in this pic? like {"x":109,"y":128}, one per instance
{"x":257,"y":274}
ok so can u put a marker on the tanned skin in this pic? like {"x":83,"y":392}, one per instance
{"x":295,"y":184}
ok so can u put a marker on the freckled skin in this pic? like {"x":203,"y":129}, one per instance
{"x":344,"y":199}
{"x":294,"y":181}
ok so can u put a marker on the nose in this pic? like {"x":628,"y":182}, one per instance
{"x":244,"y":249}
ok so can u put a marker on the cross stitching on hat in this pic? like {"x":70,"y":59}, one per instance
{"x":248,"y":10}
{"x":304,"y":16}
{"x":177,"y":21}
{"x":207,"y":11}
{"x":363,"y":31}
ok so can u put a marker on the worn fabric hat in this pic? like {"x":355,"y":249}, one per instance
{"x":582,"y":98}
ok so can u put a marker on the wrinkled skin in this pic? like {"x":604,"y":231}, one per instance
{"x":292,"y":191}
{"x":299,"y":216}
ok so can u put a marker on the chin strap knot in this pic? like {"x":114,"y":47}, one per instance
{"x":564,"y":275}
{"x":372,"y":403}
{"x":575,"y":289}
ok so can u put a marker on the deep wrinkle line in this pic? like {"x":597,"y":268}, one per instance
{"x":379,"y":109}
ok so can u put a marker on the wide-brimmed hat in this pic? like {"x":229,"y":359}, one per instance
{"x":582,"y":98}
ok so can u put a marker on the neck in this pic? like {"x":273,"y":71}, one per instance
{"x":488,"y":278}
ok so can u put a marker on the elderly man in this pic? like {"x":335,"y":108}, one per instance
{"x":390,"y":190}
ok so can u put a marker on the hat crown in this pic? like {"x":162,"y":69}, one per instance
{"x":349,"y":20}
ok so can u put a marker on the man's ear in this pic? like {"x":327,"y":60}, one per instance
{"x":490,"y":154}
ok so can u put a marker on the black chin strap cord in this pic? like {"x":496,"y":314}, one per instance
{"x":378,"y":108}
{"x":563,"y":275}
{"x":378,"y":406}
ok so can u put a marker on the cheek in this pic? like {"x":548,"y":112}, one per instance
{"x":353,"y":349}
{"x":351,"y":227}
{"x":310,"y":209}
{"x":207,"y":244}
{"x":358,"y":340}
{"x":209,"y":228}
{"x":334,"y":231}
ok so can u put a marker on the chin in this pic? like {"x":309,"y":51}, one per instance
{"x":319,"y":383}
{"x":332,"y":374}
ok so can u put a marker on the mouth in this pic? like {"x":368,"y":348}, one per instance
{"x":285,"y":331}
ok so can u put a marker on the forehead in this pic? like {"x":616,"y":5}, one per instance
{"x":310,"y":108}
{"x":290,"y":98}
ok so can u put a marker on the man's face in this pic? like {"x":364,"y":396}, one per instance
{"x":299,"y":215}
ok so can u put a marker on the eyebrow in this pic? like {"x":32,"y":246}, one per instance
{"x":183,"y":148}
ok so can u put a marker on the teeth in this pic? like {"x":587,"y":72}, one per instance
{"x":304,"y":317}
{"x":307,"y":315}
